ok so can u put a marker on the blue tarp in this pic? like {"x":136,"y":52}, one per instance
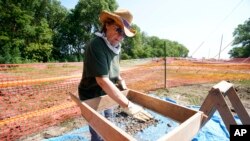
{"x":214,"y":130}
{"x":81,"y":134}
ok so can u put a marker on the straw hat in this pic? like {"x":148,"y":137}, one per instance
{"x":122,"y":17}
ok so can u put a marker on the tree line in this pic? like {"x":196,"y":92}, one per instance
{"x":45,"y":31}
{"x":241,"y":41}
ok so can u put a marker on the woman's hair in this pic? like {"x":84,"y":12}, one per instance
{"x":108,"y":21}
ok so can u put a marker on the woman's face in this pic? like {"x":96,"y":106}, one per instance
{"x":114,"y":34}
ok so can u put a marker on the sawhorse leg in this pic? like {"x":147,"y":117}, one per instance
{"x":215,"y":100}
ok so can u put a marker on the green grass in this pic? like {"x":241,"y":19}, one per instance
{"x":195,"y":100}
{"x":244,"y":82}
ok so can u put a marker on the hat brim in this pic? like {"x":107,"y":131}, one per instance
{"x":105,"y":15}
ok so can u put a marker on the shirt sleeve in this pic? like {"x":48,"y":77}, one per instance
{"x":96,"y":60}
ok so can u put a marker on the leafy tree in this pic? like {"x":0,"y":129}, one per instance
{"x":24,"y":30}
{"x":157,"y":46}
{"x":81,"y":23}
{"x":43,"y":30}
{"x":241,"y":41}
{"x":57,"y":16}
{"x":177,"y":50}
{"x":132,"y":46}
{"x":13,"y":22}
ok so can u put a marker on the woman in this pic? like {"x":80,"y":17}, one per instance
{"x":101,"y":70}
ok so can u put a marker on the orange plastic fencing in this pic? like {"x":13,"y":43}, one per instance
{"x":183,"y":71}
{"x":34,"y":97}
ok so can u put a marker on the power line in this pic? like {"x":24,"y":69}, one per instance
{"x":198,"y":48}
{"x":224,"y":48}
{"x":237,"y":5}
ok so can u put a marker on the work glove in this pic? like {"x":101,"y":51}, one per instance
{"x":122,"y":85}
{"x":137,"y":112}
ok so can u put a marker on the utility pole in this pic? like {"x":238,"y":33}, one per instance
{"x":220,"y":46}
{"x":165,"y":66}
{"x":208,"y":53}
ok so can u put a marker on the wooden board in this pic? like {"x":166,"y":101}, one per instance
{"x":100,"y":124}
{"x":185,"y":131}
{"x":238,"y":106}
{"x":168,"y":109}
{"x":190,"y":120}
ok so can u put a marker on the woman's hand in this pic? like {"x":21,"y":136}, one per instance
{"x":137,"y":112}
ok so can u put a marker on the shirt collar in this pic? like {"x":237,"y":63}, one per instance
{"x":116,"y":49}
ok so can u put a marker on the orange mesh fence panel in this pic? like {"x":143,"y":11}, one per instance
{"x":182,"y":71}
{"x":33,"y":96}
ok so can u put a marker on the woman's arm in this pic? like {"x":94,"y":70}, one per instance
{"x":111,"y":90}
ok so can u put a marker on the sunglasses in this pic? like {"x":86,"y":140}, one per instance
{"x":120,"y":32}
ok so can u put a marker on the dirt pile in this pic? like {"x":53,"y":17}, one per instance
{"x":130,"y":124}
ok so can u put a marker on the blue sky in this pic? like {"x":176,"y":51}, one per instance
{"x":200,"y":25}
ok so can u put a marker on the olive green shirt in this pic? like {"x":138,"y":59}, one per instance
{"x":99,"y":61}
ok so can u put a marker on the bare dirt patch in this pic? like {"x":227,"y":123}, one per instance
{"x":195,"y":94}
